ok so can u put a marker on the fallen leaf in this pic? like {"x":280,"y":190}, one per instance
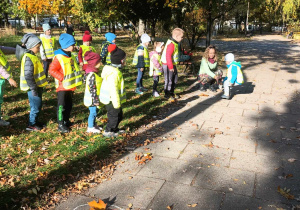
{"x":170,"y":207}
{"x":130,"y":205}
{"x":29,"y":151}
{"x":285,"y":193}
{"x":202,"y":94}
{"x":291,"y":160}
{"x":97,"y":206}
{"x":192,"y":205}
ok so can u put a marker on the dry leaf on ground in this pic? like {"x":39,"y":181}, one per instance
{"x":97,"y":206}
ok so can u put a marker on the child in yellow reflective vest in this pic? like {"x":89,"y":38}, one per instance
{"x":112,"y":92}
{"x":234,"y":75}
{"x":85,"y":47}
{"x":156,"y":65}
{"x":32,"y":79}
{"x":92,"y":89}
{"x":141,"y":61}
{"x":4,"y":75}
{"x":47,"y":47}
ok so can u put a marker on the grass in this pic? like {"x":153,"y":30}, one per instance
{"x":39,"y":165}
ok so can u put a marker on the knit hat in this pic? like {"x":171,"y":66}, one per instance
{"x":229,"y":57}
{"x":92,"y":58}
{"x":46,"y":27}
{"x":145,"y":38}
{"x":110,"y":37}
{"x":30,"y":40}
{"x":66,"y":40}
{"x":116,"y":54}
{"x":87,"y":37}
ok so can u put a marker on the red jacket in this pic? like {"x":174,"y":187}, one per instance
{"x":169,"y":57}
{"x":58,"y":73}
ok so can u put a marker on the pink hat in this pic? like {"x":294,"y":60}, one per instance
{"x":87,"y":37}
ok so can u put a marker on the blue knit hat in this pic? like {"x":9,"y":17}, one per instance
{"x":66,"y":40}
{"x":110,"y":37}
{"x":46,"y":27}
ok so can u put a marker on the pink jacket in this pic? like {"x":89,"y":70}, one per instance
{"x":4,"y":73}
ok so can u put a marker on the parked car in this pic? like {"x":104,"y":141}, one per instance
{"x":51,"y":21}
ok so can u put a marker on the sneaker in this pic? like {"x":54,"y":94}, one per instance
{"x":42,"y":125}
{"x":34,"y":127}
{"x":98,"y":127}
{"x":63,"y":128}
{"x":202,"y":88}
{"x":156,"y":94}
{"x":212,"y":88}
{"x":138,"y":91}
{"x":93,"y":130}
{"x":174,"y":96}
{"x":4,"y":123}
{"x":225,"y":97}
{"x":120,"y":131}
{"x":110,"y":134}
{"x":144,"y":89}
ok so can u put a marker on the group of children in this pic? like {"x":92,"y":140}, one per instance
{"x":107,"y":89}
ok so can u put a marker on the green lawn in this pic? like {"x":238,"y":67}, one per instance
{"x":37,"y":167}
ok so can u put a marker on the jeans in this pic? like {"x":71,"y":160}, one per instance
{"x":139,"y":79}
{"x":35,"y":105}
{"x":114,"y":116}
{"x":92,"y":116}
{"x":171,"y":78}
{"x":46,"y":65}
{"x":155,"y":83}
{"x":2,"y":84}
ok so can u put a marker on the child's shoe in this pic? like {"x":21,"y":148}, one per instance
{"x":98,"y":127}
{"x":68,"y":123}
{"x":63,"y":128}
{"x":144,"y":89}
{"x":202,"y":88}
{"x":34,"y":127}
{"x":110,"y":134}
{"x":4,"y":123}
{"x":212,"y":88}
{"x":93,"y":130}
{"x":225,"y":97}
{"x":155,"y":94}
{"x":139,"y":91}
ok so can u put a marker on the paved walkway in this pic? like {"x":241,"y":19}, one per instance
{"x":220,"y":154}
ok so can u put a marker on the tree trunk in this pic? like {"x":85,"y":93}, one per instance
{"x":153,"y":24}
{"x":209,"y":21}
{"x":114,"y":27}
{"x":141,"y":27}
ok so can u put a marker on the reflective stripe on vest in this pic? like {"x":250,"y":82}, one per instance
{"x":72,"y":74}
{"x":88,"y":100}
{"x":86,"y":49}
{"x":153,"y":70}
{"x":146,"y":56}
{"x":48,"y":45}
{"x":175,"y":55}
{"x":105,"y":96}
{"x":4,"y":63}
{"x":108,"y":59}
{"x":38,"y":73}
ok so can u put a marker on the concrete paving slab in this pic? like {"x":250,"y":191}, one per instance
{"x":204,"y":154}
{"x":75,"y":201}
{"x":130,"y":166}
{"x":179,"y":196}
{"x":122,"y":190}
{"x":254,"y":162}
{"x":234,"y":143}
{"x":179,"y":171}
{"x":239,"y":120}
{"x":225,"y":179}
{"x":213,"y":127}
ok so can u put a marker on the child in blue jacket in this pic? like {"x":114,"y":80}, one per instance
{"x":234,"y":75}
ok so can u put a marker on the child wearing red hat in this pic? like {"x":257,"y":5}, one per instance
{"x":85,"y":47}
{"x":92,"y":89}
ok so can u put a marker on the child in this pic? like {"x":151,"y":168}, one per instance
{"x":112,"y":92}
{"x":141,"y":61}
{"x":208,"y":69}
{"x":87,"y":41}
{"x":234,"y":75}
{"x":4,"y":75}
{"x":105,"y":55}
{"x":32,"y":79}
{"x":66,"y":72}
{"x":156,"y":66}
{"x":92,"y":89}
{"x":47,"y":47}
{"x":169,"y":59}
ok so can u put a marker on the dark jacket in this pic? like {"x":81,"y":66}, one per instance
{"x":28,"y":73}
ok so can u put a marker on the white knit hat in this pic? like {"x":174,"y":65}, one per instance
{"x":229,"y":57}
{"x":145,"y":38}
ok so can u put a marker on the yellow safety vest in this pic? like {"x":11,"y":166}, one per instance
{"x":153,"y":68}
{"x":4,"y":63}
{"x":175,"y":54}
{"x":107,"y":59}
{"x":48,"y":45}
{"x":105,"y":96}
{"x":38,"y":73}
{"x":146,"y":56}
{"x":239,"y":77}
{"x":88,"y":100}
{"x":86,"y":49}
{"x":72,"y":74}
